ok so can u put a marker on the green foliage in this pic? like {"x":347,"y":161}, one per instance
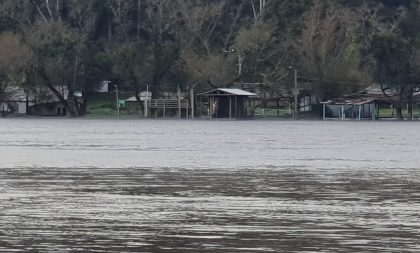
{"x":168,"y":44}
{"x":392,"y":54}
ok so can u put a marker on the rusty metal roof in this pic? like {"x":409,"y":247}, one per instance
{"x":366,"y":96}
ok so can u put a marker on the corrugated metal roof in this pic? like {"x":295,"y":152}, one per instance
{"x":132,"y":99}
{"x":360,"y":101}
{"x":238,"y":92}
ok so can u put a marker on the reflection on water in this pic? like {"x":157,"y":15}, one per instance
{"x":173,"y":186}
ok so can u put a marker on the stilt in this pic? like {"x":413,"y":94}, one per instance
{"x":374,"y":111}
{"x":187,"y":113}
{"x":211,"y":107}
{"x":179,"y":108}
{"x":230,"y":107}
{"x":192,"y":103}
{"x":236,"y":107}
{"x":164,"y":108}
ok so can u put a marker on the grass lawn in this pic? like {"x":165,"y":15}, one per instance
{"x":104,"y":105}
{"x":272,"y":113}
{"x":389,"y":113}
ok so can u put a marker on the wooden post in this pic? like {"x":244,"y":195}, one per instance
{"x":211,"y":101}
{"x":192,"y":103}
{"x":236,"y":107}
{"x":164,"y":108}
{"x":296,"y":95}
{"x":324,"y":111}
{"x":187,"y":110}
{"x":118,"y":100}
{"x":410,"y":110}
{"x":393,"y":111}
{"x":146,"y":103}
{"x":373,"y":111}
{"x":179,"y":107}
{"x":360,"y":112}
{"x":342,"y":113}
{"x":230,"y":107}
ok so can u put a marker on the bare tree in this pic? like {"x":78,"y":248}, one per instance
{"x":201,"y":21}
{"x":15,"y":60}
{"x":258,"y":12}
{"x":328,"y":47}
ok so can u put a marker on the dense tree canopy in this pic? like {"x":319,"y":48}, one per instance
{"x":168,"y":44}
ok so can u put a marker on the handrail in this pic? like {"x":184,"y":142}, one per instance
{"x":168,"y":103}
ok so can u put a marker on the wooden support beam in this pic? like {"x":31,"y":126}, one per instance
{"x":192,"y":97}
{"x":373,"y":111}
{"x":179,"y":108}
{"x":164,"y":108}
{"x":236,"y":107}
{"x":230,"y":107}
{"x":211,"y":107}
{"x":187,"y":111}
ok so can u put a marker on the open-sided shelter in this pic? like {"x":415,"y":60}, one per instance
{"x":365,"y":104}
{"x":227,"y":103}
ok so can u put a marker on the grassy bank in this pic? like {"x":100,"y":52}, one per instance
{"x":105,"y":106}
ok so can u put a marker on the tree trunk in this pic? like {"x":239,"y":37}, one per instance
{"x":137,"y":95}
{"x":398,"y":110}
{"x":397,"y":103}
{"x":56,"y":93}
{"x":410,"y":110}
{"x":138,"y":19}
{"x":410,"y":94}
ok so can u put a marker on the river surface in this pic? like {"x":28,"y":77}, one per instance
{"x":209,"y":186}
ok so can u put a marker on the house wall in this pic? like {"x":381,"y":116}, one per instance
{"x":13,"y":107}
{"x":51,"y":109}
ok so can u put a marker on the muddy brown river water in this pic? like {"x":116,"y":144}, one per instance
{"x":209,"y":186}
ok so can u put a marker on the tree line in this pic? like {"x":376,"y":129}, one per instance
{"x":338,"y":45}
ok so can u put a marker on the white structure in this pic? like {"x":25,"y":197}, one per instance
{"x":16,"y":101}
{"x":103,"y":87}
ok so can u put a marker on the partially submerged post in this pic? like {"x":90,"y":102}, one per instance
{"x":192,"y":103}
{"x":117,"y":99}
{"x":296,"y":95}
{"x":146,"y":103}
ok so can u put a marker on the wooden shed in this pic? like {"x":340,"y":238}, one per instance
{"x":227,"y":103}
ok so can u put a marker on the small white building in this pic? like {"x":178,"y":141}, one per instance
{"x":16,"y":102}
{"x":103,"y":87}
{"x":43,"y":102}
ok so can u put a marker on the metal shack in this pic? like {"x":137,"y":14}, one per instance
{"x":370,"y":103}
{"x":227,"y":103}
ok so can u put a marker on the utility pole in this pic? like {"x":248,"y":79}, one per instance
{"x":295,"y":92}
{"x":118,"y":99}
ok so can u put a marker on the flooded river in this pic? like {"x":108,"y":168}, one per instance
{"x":209,"y":186}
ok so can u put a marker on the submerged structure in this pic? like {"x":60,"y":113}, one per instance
{"x":370,"y":103}
{"x":226,"y":103}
